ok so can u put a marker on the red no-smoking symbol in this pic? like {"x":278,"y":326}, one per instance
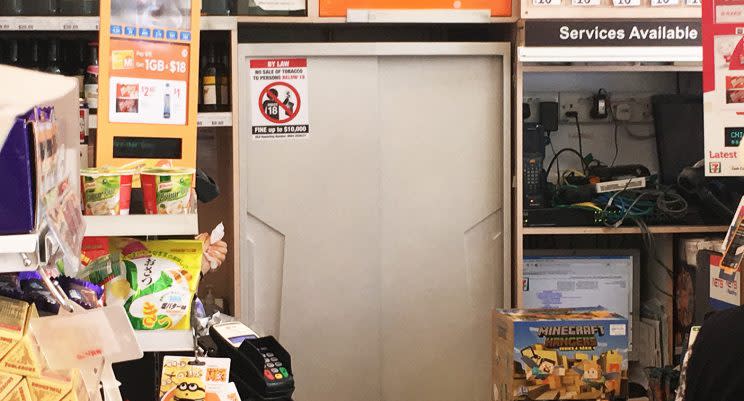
{"x":270,"y":98}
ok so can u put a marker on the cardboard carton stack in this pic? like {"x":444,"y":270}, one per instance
{"x":23,"y":374}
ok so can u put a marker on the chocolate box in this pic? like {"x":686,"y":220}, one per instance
{"x":559,"y":354}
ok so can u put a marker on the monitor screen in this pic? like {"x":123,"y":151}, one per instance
{"x":583,"y":278}
{"x":578,"y":281}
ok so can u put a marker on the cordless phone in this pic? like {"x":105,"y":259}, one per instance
{"x":533,"y":158}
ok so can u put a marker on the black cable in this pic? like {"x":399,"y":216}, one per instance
{"x":617,"y":147}
{"x":578,"y":131}
{"x":555,"y":158}
{"x":557,"y":163}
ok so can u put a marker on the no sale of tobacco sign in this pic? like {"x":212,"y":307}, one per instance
{"x":279,"y":98}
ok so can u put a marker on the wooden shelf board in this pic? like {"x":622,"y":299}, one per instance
{"x":622,"y":230}
{"x":612,"y":68}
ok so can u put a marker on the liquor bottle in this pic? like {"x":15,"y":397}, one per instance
{"x":91,"y":7}
{"x":224,"y":60}
{"x":79,"y":7}
{"x":33,"y":61}
{"x":75,"y":64}
{"x":13,"y":57}
{"x":91,"y":79}
{"x":218,"y":7}
{"x":211,"y":76}
{"x":53,"y":57}
{"x":167,"y":102}
{"x":45,"y":7}
{"x":12,"y":7}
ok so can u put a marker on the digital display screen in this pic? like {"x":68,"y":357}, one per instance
{"x":126,"y":147}
{"x":733,"y":136}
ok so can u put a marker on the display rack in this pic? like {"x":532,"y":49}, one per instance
{"x":165,"y":340}
{"x":142,"y":225}
{"x":21,"y":252}
{"x":204,"y":120}
{"x":92,"y":23}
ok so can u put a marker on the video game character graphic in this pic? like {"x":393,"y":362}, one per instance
{"x":540,"y":368}
{"x":591,"y":374}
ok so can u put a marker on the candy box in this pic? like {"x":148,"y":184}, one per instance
{"x":24,"y":358}
{"x":13,"y":318}
{"x":20,"y":392}
{"x":559,"y":354}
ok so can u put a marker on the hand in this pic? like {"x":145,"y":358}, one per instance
{"x":216,"y":252}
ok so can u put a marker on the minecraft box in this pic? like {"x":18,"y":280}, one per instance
{"x":559,"y":354}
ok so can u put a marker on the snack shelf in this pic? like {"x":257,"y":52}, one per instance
{"x":165,"y":340}
{"x":141,"y":225}
{"x":19,"y":252}
{"x":63,"y":23}
{"x":203,"y":120}
{"x":622,"y":230}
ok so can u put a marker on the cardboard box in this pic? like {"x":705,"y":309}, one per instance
{"x":13,"y":320}
{"x":24,"y":358}
{"x":24,"y":90}
{"x":20,"y":392}
{"x":559,"y":354}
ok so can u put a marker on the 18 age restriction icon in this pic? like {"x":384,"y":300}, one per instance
{"x":279,"y":102}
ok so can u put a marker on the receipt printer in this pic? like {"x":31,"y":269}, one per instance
{"x":260,"y":367}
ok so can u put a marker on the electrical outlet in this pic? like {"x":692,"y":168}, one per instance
{"x":579,"y":102}
{"x":534,"y":99}
{"x":638,"y":103}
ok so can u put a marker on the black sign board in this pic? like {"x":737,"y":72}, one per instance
{"x":637,"y":33}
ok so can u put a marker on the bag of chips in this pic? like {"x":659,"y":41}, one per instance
{"x":155,"y":281}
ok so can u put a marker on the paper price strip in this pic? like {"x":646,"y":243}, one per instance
{"x":546,"y":2}
{"x":694,"y":3}
{"x":626,"y":3}
{"x":664,"y":3}
{"x":584,"y":3}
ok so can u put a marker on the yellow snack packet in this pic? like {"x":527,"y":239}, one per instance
{"x":158,"y":283}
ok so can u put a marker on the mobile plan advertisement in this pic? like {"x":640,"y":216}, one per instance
{"x":149,"y":52}
{"x":723,"y":86}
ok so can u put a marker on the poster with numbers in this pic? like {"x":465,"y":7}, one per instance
{"x":279,"y":98}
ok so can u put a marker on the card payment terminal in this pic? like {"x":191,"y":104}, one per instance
{"x":261,"y":368}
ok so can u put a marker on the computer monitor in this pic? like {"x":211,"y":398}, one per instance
{"x":568,"y":278}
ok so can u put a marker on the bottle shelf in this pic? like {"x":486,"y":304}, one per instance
{"x":141,"y":225}
{"x":203,"y":120}
{"x":165,"y":340}
{"x":62,"y":23}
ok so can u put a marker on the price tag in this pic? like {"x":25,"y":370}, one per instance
{"x":546,"y":2}
{"x":584,"y":3}
{"x":694,"y":3}
{"x":626,"y":3}
{"x":70,"y":26}
{"x":664,"y":3}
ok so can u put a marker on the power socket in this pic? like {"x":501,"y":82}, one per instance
{"x":579,"y":102}
{"x":534,"y":99}
{"x":622,"y":111}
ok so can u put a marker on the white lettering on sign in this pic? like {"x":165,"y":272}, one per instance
{"x":636,"y":33}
